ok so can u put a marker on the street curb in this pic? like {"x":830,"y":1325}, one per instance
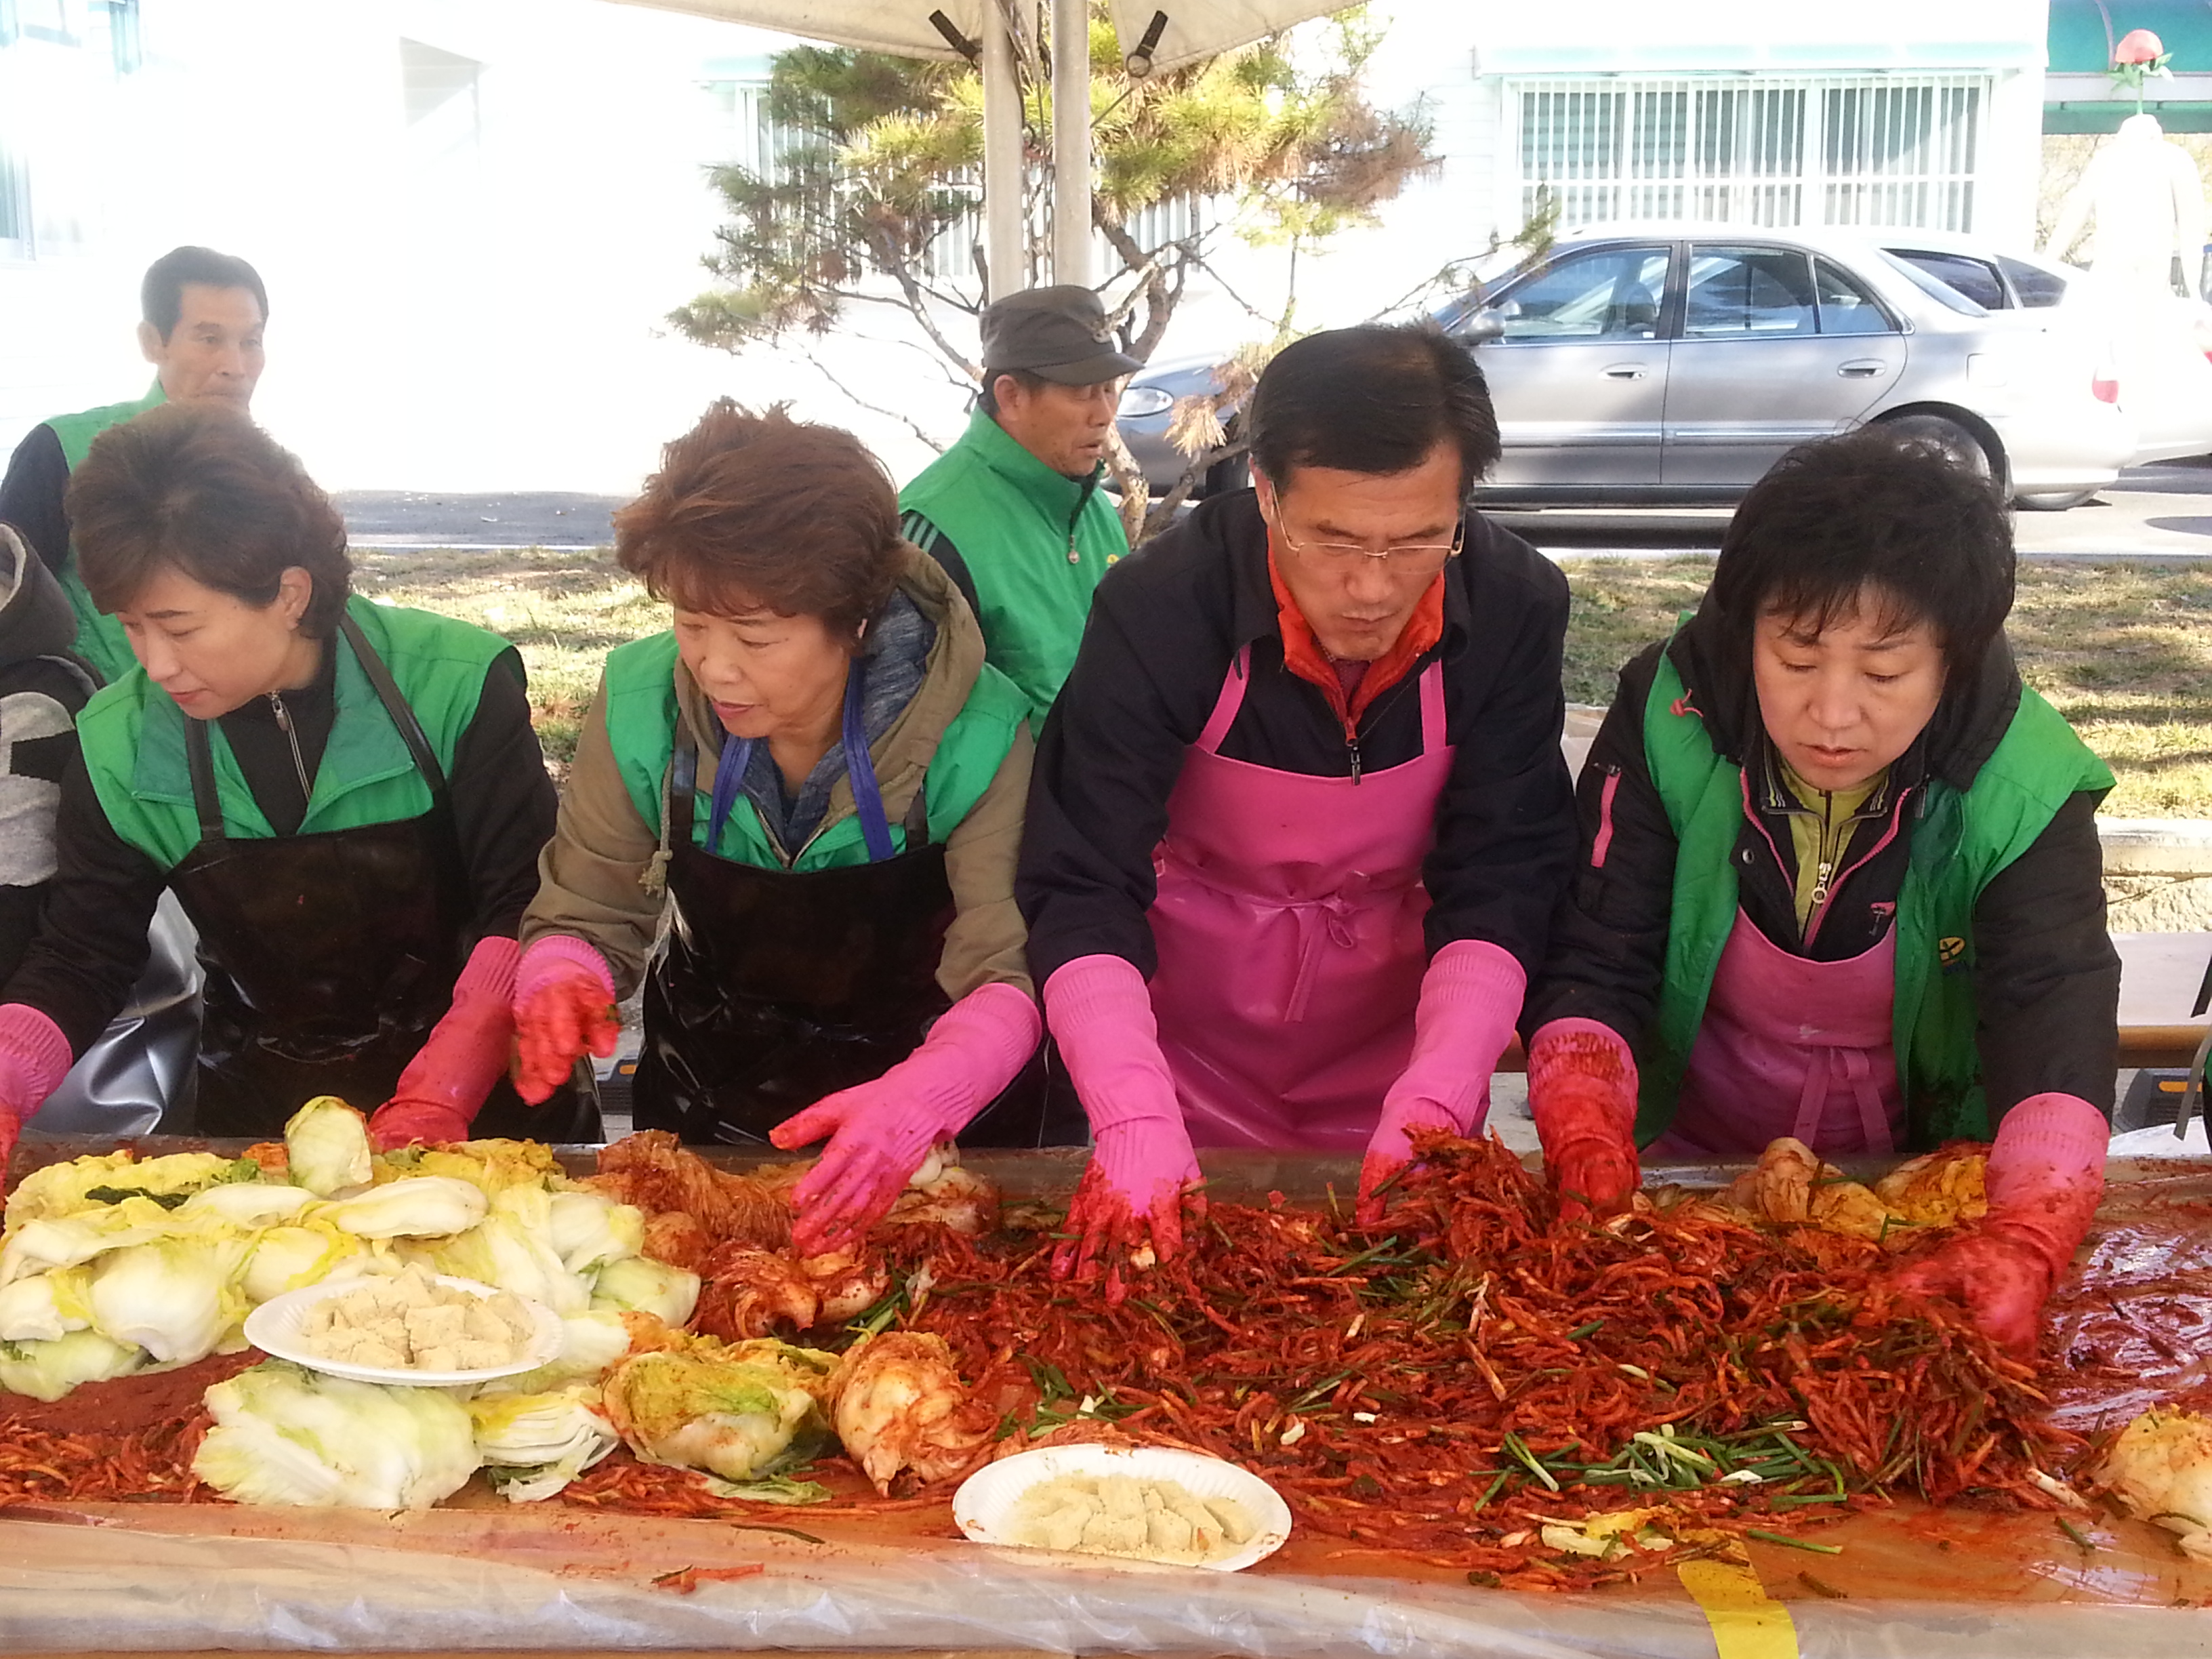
{"x":2156,"y":847}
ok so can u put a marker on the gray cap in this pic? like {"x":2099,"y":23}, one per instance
{"x":1059,"y":333}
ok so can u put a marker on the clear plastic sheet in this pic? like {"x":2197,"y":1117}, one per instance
{"x":89,"y":1589}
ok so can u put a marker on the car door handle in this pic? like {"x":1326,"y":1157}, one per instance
{"x":1863,"y":368}
{"x":1625,"y":371}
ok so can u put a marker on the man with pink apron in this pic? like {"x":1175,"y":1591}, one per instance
{"x":1840,"y":880}
{"x":1305,"y":780}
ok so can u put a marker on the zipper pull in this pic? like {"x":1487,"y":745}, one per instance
{"x":1820,"y":880}
{"x":1074,"y":557}
{"x":283,"y":715}
{"x":1351,"y":748}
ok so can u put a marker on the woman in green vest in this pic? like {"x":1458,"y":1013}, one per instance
{"x":1840,"y":877}
{"x":347,"y":799}
{"x":818,"y":778}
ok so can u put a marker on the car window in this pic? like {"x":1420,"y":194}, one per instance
{"x":1756,"y":291}
{"x":1607,"y":294}
{"x":2035,"y":286}
{"x":1845,"y":307}
{"x":1977,"y":279}
{"x":1943,"y":293}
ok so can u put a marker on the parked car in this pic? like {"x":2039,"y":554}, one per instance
{"x":1648,"y":364}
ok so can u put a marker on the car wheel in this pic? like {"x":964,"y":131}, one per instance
{"x":2058,"y":503}
{"x":1946,"y":435}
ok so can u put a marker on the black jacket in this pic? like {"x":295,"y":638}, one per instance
{"x":1164,"y":627}
{"x":2047,"y":979}
{"x":42,"y":687}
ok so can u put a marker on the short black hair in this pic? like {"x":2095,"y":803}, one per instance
{"x":1375,"y":399}
{"x":199,"y":487}
{"x":987,"y":399}
{"x":161,"y":295}
{"x":1873,"y":509}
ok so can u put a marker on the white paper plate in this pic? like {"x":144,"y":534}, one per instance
{"x":987,"y":1497}
{"x":276,"y":1327}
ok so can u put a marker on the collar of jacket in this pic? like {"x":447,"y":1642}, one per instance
{"x":1054,"y":494}
{"x":1714,"y":659}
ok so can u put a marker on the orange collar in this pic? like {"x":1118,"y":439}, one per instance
{"x":1304,"y":655}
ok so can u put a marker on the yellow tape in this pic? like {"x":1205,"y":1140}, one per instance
{"x":1748,"y":1623}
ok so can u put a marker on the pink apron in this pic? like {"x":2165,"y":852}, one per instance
{"x":1791,"y":1047}
{"x":1288,"y":922}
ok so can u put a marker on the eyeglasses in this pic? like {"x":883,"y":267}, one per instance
{"x":1400,"y":558}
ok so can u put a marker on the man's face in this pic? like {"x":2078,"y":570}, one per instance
{"x":214,"y":353}
{"x":1063,"y":425}
{"x":1357,"y":603}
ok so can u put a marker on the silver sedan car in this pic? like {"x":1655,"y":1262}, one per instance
{"x":1671,"y":363}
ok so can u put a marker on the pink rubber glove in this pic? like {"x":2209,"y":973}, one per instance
{"x":444,"y":1085}
{"x":880,"y":1131}
{"x":1582,"y":1092}
{"x":2047,"y":1172}
{"x":1141,"y":1161}
{"x":34,"y":1058}
{"x":564,"y":1006}
{"x":1470,"y":998}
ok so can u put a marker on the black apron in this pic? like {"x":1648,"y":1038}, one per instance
{"x":775,"y":988}
{"x":330,"y":957}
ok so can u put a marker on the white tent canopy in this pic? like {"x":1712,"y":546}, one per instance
{"x":1186,"y":29}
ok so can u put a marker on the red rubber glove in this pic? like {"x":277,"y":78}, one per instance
{"x":1469,"y":997}
{"x":1141,"y":1162}
{"x":880,"y":1131}
{"x":1582,"y":1092}
{"x":2047,"y":1172}
{"x":564,"y":1007}
{"x":444,"y":1085}
{"x":34,"y":1058}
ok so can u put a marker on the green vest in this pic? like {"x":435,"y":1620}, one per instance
{"x":99,"y":638}
{"x":134,"y":739}
{"x":1035,"y":555}
{"x":1959,"y":843}
{"x":641,"y":715}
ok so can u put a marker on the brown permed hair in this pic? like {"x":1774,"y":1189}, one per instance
{"x":199,"y":489}
{"x":752,"y":512}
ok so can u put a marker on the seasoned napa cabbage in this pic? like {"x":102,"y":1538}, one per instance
{"x":283,"y":1435}
{"x":638,"y":1282}
{"x":48,"y":1370}
{"x":741,"y":1419}
{"x":326,"y":1146}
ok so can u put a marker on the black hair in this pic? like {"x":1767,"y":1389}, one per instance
{"x":1375,"y":399}
{"x":161,"y":295}
{"x":1873,"y":515}
{"x":987,"y":399}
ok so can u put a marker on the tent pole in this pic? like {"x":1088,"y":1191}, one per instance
{"x":1004,"y":232}
{"x":1071,"y":142}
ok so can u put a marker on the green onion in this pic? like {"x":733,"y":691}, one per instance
{"x":1785,"y":1540}
{"x":2077,"y":1534}
{"x":1582,"y":1331}
{"x":1514,"y":1447}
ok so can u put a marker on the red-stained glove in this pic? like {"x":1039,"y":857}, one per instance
{"x":1582,"y":1092}
{"x":564,"y":1007}
{"x":34,"y":1058}
{"x":444,"y":1085}
{"x":1141,"y":1162}
{"x":2047,"y":1172}
{"x":879,"y":1131}
{"x":1469,"y":997}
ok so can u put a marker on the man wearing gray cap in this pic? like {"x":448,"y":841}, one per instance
{"x":1012,"y":511}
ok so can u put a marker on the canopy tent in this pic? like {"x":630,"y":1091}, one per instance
{"x":1156,"y":35}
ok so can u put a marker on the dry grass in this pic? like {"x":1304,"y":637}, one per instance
{"x":2124,"y":650}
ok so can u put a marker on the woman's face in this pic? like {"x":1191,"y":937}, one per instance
{"x":211,"y":651}
{"x":1841,"y":704}
{"x":769,"y":675}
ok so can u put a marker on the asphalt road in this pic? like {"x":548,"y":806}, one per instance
{"x":2153,"y":511}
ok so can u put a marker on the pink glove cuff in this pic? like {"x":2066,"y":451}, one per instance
{"x":490,"y":970}
{"x":2047,"y":1135}
{"x":1470,"y":998}
{"x":972,"y":1053}
{"x":1101,"y":1013}
{"x":34,"y":1058}
{"x":546,"y":959}
{"x":1580,"y":1047}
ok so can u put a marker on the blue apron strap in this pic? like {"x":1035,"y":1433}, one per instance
{"x":729,"y":775}
{"x":867,"y":799}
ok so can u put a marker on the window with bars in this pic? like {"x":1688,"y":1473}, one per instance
{"x":1897,"y":150}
